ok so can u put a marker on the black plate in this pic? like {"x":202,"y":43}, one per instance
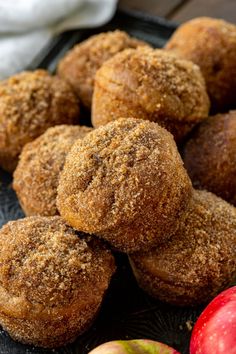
{"x":127,"y":312}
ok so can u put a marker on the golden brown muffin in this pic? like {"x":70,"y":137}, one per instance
{"x":152,"y":85}
{"x":126,"y":183}
{"x":48,"y":274}
{"x":80,"y":64}
{"x":31,"y":102}
{"x":211,"y":44}
{"x":41,"y":161}
{"x":210,"y":156}
{"x":200,"y":258}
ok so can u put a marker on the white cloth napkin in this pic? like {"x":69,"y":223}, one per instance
{"x":26,"y":26}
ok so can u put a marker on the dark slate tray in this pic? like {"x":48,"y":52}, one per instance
{"x":127,"y":312}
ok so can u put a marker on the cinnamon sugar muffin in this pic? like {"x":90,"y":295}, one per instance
{"x":152,"y":85}
{"x":210,"y":156}
{"x":48,"y":274}
{"x":211,"y":44}
{"x":41,"y":161}
{"x":80,"y":64}
{"x":200,"y":258}
{"x":31,"y":102}
{"x":124,"y":182}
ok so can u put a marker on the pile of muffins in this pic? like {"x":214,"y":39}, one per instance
{"x":121,"y":185}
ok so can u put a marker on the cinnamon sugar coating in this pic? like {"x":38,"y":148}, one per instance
{"x":125,"y":182}
{"x":48,"y":274}
{"x":210,"y":156}
{"x":31,"y":102}
{"x":200,"y":258}
{"x":211,"y":44}
{"x":153,"y":85}
{"x":80,"y":64}
{"x":41,"y":161}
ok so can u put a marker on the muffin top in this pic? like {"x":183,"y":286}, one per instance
{"x":41,"y":161}
{"x":124,"y":178}
{"x":31,"y":102}
{"x":164,"y":88}
{"x":211,"y":44}
{"x":80,"y":64}
{"x":203,"y":249}
{"x":210,"y":156}
{"x":45,"y":266}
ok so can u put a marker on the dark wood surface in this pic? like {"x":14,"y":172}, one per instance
{"x":155,"y":7}
{"x":183,"y":10}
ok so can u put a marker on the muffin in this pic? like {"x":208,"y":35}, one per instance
{"x":152,"y":85}
{"x":31,"y":102}
{"x":210,"y":156}
{"x":41,"y":161}
{"x":200,"y":258}
{"x":80,"y":64}
{"x":124,"y":182}
{"x":48,"y":274}
{"x":211,"y":44}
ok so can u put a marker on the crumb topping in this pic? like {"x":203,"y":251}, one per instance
{"x":150,"y":84}
{"x":199,"y":259}
{"x":31,"y":102}
{"x":210,"y":156}
{"x":41,"y":161}
{"x":44,"y":261}
{"x":80,"y":64}
{"x":211,"y":44}
{"x":126,"y":173}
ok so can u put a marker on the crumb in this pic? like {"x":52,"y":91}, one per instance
{"x":189,"y":325}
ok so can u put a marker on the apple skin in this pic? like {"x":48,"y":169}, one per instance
{"x":136,"y":346}
{"x":215,"y":329}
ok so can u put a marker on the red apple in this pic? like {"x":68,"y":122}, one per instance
{"x":215,"y":329}
{"x":136,"y":346}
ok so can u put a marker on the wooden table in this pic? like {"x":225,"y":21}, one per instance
{"x":183,"y":10}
